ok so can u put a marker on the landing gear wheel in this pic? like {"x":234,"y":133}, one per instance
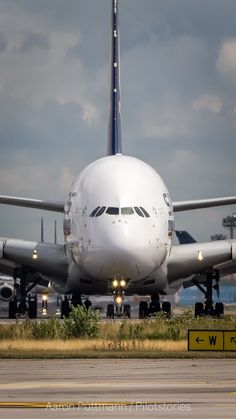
{"x":219,"y":309}
{"x":199,"y":310}
{"x":87,"y":304}
{"x":127,"y":310}
{"x":65,"y":308}
{"x":143,"y":309}
{"x":76,"y":300}
{"x":154,"y":307}
{"x":12,"y":309}
{"x":32,"y":310}
{"x":110,"y":311}
{"x":209,"y":310}
{"x":166,"y":307}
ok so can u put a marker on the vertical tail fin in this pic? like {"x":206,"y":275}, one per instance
{"x":114,"y":133}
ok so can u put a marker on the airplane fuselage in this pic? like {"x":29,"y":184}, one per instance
{"x":118,"y":222}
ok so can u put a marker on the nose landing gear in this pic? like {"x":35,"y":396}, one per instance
{"x":118,"y":309}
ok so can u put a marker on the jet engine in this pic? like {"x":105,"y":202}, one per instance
{"x":6,"y":292}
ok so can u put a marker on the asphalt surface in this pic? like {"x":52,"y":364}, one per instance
{"x":119,"y":388}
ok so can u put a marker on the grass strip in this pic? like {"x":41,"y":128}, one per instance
{"x":98,"y":348}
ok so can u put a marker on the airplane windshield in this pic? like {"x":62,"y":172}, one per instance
{"x":112,"y":211}
{"x":138,"y":211}
{"x":145,"y":212}
{"x":100,"y":212}
{"x":94,"y":212}
{"x":123,"y":211}
{"x":127,"y":211}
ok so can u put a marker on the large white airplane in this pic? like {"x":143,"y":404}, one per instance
{"x":118,"y":225}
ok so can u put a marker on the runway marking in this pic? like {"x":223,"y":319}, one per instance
{"x":57,"y":405}
{"x":75,"y":384}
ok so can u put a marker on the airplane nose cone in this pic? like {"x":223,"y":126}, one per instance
{"x":124,"y":251}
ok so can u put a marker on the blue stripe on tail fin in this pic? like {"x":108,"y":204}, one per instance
{"x":114,"y":133}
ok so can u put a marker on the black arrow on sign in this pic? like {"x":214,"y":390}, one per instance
{"x":233,"y":339}
{"x":199,"y":340}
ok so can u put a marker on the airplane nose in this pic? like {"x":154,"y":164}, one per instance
{"x":124,"y":251}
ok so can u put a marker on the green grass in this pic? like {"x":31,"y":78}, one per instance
{"x":86,"y":324}
{"x":83,"y":335}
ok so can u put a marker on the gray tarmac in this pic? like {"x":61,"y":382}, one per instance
{"x":188,"y":388}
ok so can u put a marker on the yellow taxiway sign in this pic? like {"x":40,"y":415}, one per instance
{"x":212,"y":340}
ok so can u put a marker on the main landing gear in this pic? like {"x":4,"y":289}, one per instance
{"x":75,"y":301}
{"x":146,"y":310}
{"x":208,"y":309}
{"x":23,"y":303}
{"x":118,"y":309}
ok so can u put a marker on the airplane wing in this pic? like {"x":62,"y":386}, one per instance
{"x":33,"y":203}
{"x":47,"y":259}
{"x":58,"y":206}
{"x":195,"y":258}
{"x":202,"y":203}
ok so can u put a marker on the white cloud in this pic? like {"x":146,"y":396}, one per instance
{"x":28,"y":179}
{"x":90,"y":113}
{"x":226,"y":63}
{"x":208,"y":102}
{"x":66,"y":179}
{"x":171,"y":122}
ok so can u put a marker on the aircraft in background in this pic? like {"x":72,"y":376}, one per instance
{"x":118,"y":226}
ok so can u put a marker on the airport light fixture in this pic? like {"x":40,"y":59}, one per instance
{"x":230,"y":222}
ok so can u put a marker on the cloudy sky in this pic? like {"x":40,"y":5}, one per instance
{"x":178,"y":100}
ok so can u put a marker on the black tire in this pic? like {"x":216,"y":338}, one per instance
{"x":22,"y":307}
{"x":110,"y":311}
{"x":65,"y":308}
{"x":76,"y":300}
{"x":166,"y":307}
{"x":87,"y":304}
{"x":154,"y":307}
{"x":12,"y":309}
{"x":219,"y":309}
{"x":143,"y":309}
{"x":127,"y":311}
{"x":199,"y":310}
{"x":209,"y":310}
{"x":32,"y":310}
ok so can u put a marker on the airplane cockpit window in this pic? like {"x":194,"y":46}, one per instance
{"x":94,"y":212}
{"x":116,"y":211}
{"x":127,"y":211}
{"x":100,"y":211}
{"x":112,"y":211}
{"x":145,"y":212}
{"x":138,"y":211}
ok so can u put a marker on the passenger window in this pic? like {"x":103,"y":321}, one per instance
{"x":138,"y":211}
{"x":145,"y":212}
{"x":100,"y":212}
{"x":112,"y":211}
{"x":94,"y":212}
{"x":127,"y":211}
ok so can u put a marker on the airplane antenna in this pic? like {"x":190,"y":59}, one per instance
{"x":114,"y":132}
{"x":55,"y":231}
{"x":42,"y":230}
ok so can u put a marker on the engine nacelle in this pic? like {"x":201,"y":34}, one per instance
{"x":6,"y":292}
